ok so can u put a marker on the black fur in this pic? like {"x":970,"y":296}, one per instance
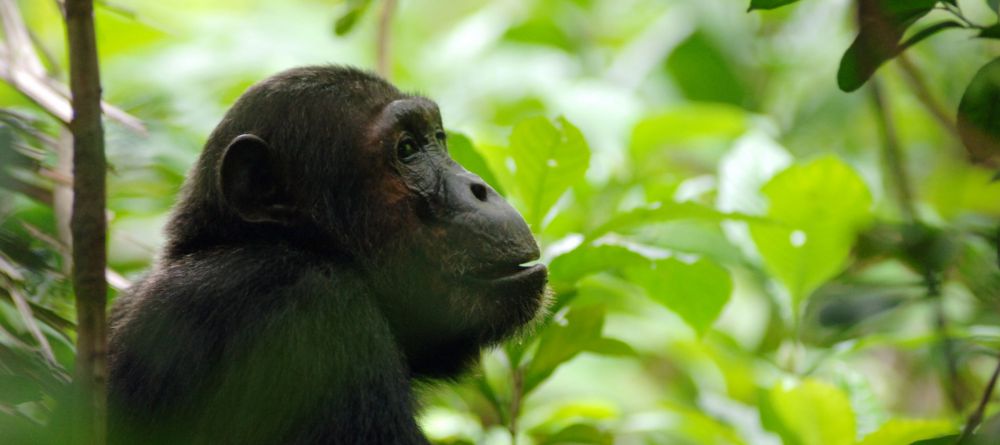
{"x":316,"y":265}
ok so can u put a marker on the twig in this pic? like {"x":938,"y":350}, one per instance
{"x":385,"y":38}
{"x":919,"y":86}
{"x":977,"y":416}
{"x":21,"y":67}
{"x":893,"y":156}
{"x":517,"y":380}
{"x":88,"y":223}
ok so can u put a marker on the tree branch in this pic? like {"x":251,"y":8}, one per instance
{"x":88,"y":223}
{"x":919,"y":86}
{"x":977,"y":416}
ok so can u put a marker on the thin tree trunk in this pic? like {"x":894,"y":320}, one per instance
{"x":88,"y":224}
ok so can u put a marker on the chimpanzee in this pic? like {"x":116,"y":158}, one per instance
{"x":326,"y":253}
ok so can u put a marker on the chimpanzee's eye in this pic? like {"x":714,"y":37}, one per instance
{"x":406,"y":148}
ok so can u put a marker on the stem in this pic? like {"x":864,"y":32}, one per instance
{"x":977,"y":416}
{"x":893,"y":156}
{"x":515,"y":402}
{"x":916,"y":82}
{"x":956,"y":390}
{"x":88,"y":224}
{"x":385,"y":38}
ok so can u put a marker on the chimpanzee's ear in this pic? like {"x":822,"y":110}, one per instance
{"x":251,"y":182}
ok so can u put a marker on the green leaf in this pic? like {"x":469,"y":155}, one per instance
{"x":769,"y":4}
{"x":579,"y":434}
{"x":667,"y":211}
{"x":994,"y":5}
{"x":979,"y":114}
{"x":463,"y":152}
{"x":683,"y":124}
{"x":882,"y":25}
{"x":588,"y":259}
{"x":703,"y":72}
{"x":561,"y":342}
{"x":943,"y":440}
{"x":611,"y":347}
{"x":696,"y":291}
{"x":813,"y":413}
{"x":346,"y":22}
{"x":818,"y":209}
{"x":906,"y":431}
{"x":548,"y":159}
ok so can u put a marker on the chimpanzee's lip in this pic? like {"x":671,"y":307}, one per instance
{"x":501,"y":272}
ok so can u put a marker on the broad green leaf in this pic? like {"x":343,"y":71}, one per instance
{"x":588,"y":259}
{"x":769,"y":4}
{"x":882,"y":25}
{"x":907,"y":431}
{"x":696,"y":291}
{"x":817,"y":209}
{"x":979,"y":114}
{"x":667,"y":211}
{"x":561,"y":342}
{"x":994,"y":5}
{"x":703,"y":72}
{"x":682,"y":124}
{"x":463,"y":152}
{"x":813,"y":413}
{"x":548,"y":159}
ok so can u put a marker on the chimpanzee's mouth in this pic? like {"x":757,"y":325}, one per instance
{"x":508,"y":271}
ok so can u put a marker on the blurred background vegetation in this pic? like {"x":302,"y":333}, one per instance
{"x":740,"y":252}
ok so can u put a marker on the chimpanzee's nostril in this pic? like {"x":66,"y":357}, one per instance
{"x":479,"y":191}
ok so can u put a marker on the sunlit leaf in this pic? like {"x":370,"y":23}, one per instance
{"x":686,"y":123}
{"x":548,"y":159}
{"x":813,"y":413}
{"x":579,"y":434}
{"x":906,"y":431}
{"x":560,"y":342}
{"x":819,"y":207}
{"x":668,"y":211}
{"x":588,"y":259}
{"x":696,"y":291}
{"x":979,"y":114}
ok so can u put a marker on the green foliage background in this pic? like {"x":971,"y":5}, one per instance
{"x":730,"y":258}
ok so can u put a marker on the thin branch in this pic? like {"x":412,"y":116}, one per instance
{"x":917,"y":83}
{"x":517,"y":383}
{"x":893,"y":156}
{"x":385,"y":38}
{"x":21,"y":67}
{"x":977,"y":416}
{"x":88,"y":223}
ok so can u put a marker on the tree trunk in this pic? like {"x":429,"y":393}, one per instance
{"x":88,"y":224}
